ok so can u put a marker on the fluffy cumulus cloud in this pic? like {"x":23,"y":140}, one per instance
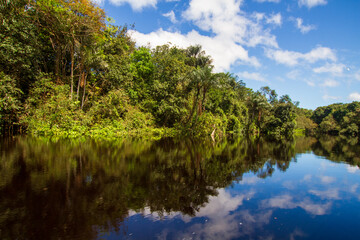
{"x":352,"y":169}
{"x":326,"y":194}
{"x":224,"y":18}
{"x":335,"y":69}
{"x":288,"y":202}
{"x":136,"y":5}
{"x":230,"y":32}
{"x":274,"y":19}
{"x":292,"y":58}
{"x":220,"y":223}
{"x":303,"y":28}
{"x":355,"y":96}
{"x":311,"y":3}
{"x":224,"y":51}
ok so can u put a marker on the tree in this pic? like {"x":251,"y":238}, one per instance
{"x":202,"y":79}
{"x":257,"y":105}
{"x":270,"y":94}
{"x":72,"y":28}
{"x":196,"y":57}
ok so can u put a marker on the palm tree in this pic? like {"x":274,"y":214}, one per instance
{"x":202,"y":79}
{"x":258,"y":104}
{"x":196,"y":57}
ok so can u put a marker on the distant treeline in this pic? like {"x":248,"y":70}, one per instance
{"x":66,"y":71}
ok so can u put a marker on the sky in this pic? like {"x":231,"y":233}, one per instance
{"x":308,"y":49}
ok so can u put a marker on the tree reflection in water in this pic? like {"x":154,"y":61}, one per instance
{"x":76,"y":189}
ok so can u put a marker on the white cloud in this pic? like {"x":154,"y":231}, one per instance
{"x":251,"y":76}
{"x":330,"y":83}
{"x":273,"y":1}
{"x":326,"y":194}
{"x":171,"y":16}
{"x":285,"y":57}
{"x":220,"y":223}
{"x":229,"y":32}
{"x":224,"y":18}
{"x":303,"y":28}
{"x":328,"y":97}
{"x":222,"y":204}
{"x":136,"y":5}
{"x":320,"y":53}
{"x":274,"y":19}
{"x":287,"y":202}
{"x":333,"y":68}
{"x":354,"y":187}
{"x":292,"y":58}
{"x":311,"y":3}
{"x":258,"y":16}
{"x":355,"y":96}
{"x":224,"y":51}
{"x":153,"y":215}
{"x":250,"y":180}
{"x":352,"y":169}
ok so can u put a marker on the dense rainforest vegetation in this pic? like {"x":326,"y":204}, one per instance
{"x":67,"y":71}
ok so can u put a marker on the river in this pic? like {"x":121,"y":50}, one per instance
{"x":179,"y":189}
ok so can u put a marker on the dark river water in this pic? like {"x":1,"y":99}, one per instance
{"x":179,"y":189}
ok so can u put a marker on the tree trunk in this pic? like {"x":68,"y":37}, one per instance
{"x":72,"y":71}
{"x":83,"y":97}
{"x":79,"y":82}
{"x":196,"y":97}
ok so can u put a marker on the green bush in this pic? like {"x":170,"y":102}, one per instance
{"x":50,"y":111}
{"x":112,"y":106}
{"x":10,"y":105}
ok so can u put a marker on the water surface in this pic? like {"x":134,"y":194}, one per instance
{"x":179,"y":189}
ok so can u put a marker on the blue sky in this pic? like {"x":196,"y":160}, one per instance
{"x":308,"y":49}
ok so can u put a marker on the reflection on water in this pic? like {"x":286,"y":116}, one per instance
{"x":179,"y":189}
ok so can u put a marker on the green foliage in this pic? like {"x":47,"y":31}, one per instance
{"x":168,"y":100}
{"x":10,"y":105}
{"x":207,"y":124}
{"x":76,"y":76}
{"x":114,"y":65}
{"x":50,"y":112}
{"x":112,"y":106}
{"x":304,"y":123}
{"x":234,"y":126}
{"x":338,"y":119}
{"x":143,"y":67}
